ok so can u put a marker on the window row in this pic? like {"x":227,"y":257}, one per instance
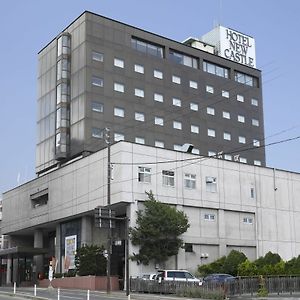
{"x":140,"y":116}
{"x":189,"y":181}
{"x":98,"y":133}
{"x":190,"y":61}
{"x":138,"y":92}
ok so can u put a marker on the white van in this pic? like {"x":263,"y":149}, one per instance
{"x":177,"y":275}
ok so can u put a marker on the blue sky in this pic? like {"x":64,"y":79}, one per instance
{"x":27,"y":26}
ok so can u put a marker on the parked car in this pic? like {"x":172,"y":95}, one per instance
{"x":219,"y":278}
{"x":177,"y":275}
{"x":149,"y":276}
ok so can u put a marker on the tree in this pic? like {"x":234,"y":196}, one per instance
{"x":216,"y":266}
{"x":232,"y":262}
{"x":89,"y":260}
{"x":157,"y":231}
{"x":247,"y":268}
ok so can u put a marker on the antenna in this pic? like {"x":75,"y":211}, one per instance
{"x":220,"y":12}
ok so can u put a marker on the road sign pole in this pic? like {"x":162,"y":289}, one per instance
{"x":107,"y":140}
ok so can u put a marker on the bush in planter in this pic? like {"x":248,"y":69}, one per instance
{"x":57,"y":275}
{"x":89,"y":260}
{"x":70,"y":273}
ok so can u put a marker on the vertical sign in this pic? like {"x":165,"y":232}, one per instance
{"x":70,"y":251}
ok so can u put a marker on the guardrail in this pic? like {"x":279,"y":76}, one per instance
{"x":240,"y":286}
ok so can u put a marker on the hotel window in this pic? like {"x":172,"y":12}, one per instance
{"x":242,"y":140}
{"x":227,"y":157}
{"x":97,"y":133}
{"x":194,"y":106}
{"x":226,"y":115}
{"x":255,"y":122}
{"x":119,"y":112}
{"x":212,"y":153}
{"x":144,"y":175}
{"x":248,"y":221}
{"x":240,"y":98}
{"x":211,"y":184}
{"x":194,"y":129}
{"x":215,"y":69}
{"x":254,"y":102}
{"x":177,"y":147}
{"x":118,"y":137}
{"x":225,"y":94}
{"x":243,"y":160}
{"x":147,"y":47}
{"x":97,"y":81}
{"x":97,"y":56}
{"x":227,"y":136}
{"x":210,"y":111}
{"x":138,"y":116}
{"x":159,"y":121}
{"x":193,"y":84}
{"x":252,"y":193}
{"x":176,"y":79}
{"x":97,"y":107}
{"x":195,"y":151}
{"x":119,"y":87}
{"x":256,"y":143}
{"x":246,"y":79}
{"x":241,"y":119}
{"x":139,"y":69}
{"x":139,"y":93}
{"x":257,"y":162}
{"x":158,"y":97}
{"x":119,"y":63}
{"x":210,"y":89}
{"x":190,"y":181}
{"x":177,"y":125}
{"x":211,"y":132}
{"x":140,"y":140}
{"x":158,"y":74}
{"x":176,"y":102}
{"x":209,"y":217}
{"x":159,"y":144}
{"x":183,"y":59}
{"x":168,"y":178}
{"x":188,"y":247}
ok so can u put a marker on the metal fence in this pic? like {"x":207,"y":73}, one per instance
{"x":241,"y":286}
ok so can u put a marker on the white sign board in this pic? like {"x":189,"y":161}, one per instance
{"x":70,"y":251}
{"x":237,"y":46}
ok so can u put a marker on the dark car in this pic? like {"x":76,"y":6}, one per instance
{"x":219,"y":278}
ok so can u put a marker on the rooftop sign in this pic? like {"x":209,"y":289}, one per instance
{"x":232,"y":45}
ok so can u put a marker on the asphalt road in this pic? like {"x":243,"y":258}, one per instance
{"x":6,"y":293}
{"x":52,"y":294}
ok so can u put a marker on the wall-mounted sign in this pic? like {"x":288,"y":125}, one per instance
{"x":70,"y":251}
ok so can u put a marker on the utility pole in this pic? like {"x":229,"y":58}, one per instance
{"x":107,"y":141}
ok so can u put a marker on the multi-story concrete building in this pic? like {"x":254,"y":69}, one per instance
{"x":100,"y":73}
{"x":230,"y":205}
{"x":148,"y":89}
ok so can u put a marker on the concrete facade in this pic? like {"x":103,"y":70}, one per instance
{"x":77,"y":96}
{"x":230,"y":206}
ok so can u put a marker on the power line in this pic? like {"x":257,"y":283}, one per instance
{"x":213,"y":156}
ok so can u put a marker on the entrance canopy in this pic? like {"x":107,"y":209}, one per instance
{"x":20,"y":251}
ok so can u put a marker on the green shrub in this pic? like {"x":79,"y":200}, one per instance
{"x":196,"y":292}
{"x":89,"y":260}
{"x":57,"y":275}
